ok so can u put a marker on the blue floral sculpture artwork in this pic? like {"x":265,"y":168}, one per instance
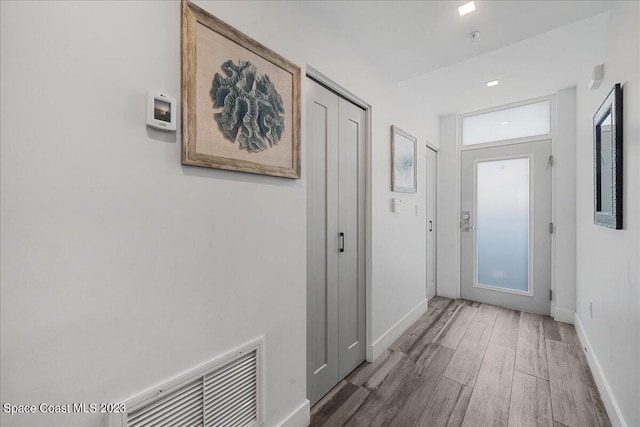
{"x":252,"y":108}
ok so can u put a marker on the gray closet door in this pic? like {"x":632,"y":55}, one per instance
{"x":431,"y":222}
{"x":351,"y":223}
{"x":335,"y":240}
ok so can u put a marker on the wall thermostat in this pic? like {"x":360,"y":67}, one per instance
{"x":161,"y":111}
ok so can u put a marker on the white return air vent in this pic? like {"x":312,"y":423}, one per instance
{"x":226,"y":392}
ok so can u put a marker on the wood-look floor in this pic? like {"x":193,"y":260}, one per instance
{"x":469,"y":364}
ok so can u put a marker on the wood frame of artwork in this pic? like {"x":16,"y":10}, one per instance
{"x":257,"y":131}
{"x":403,"y":143}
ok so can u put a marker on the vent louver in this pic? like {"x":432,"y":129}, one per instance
{"x":223,"y":394}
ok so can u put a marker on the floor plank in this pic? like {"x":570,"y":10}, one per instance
{"x":381,"y":392}
{"x":551,"y":330}
{"x":572,"y":391}
{"x":425,"y":378}
{"x":587,"y":377}
{"x":487,"y":314}
{"x":420,"y":385}
{"x":531,"y":354}
{"x":533,"y":317}
{"x":331,"y":402}
{"x":505,"y":329}
{"x":439,"y":302}
{"x":559,"y":331}
{"x":347,"y":409}
{"x":530,"y":402}
{"x":363,"y":372}
{"x":568,"y":334}
{"x":373,"y":380}
{"x":422,"y":343}
{"x":454,"y":331}
{"x":466,"y":361}
{"x":417,"y":330}
{"x":447,"y":406}
{"x":489,"y":403}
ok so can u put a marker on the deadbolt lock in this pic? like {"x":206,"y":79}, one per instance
{"x":465,"y":218}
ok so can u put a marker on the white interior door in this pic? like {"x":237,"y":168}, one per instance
{"x":335,"y":239}
{"x":351,"y":224}
{"x":505,"y":226}
{"x":431,"y":222}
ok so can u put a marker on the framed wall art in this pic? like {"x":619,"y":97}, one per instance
{"x":240,"y":100}
{"x":403,"y":161}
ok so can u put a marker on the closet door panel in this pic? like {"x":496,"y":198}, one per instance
{"x":322,"y":243}
{"x":351,"y":290}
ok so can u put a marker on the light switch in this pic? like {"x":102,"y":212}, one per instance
{"x":396,"y":205}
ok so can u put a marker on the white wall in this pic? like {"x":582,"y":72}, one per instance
{"x":608,"y":260}
{"x":564,"y":207}
{"x":448,"y":241}
{"x":122,"y":268}
{"x":399,"y":239}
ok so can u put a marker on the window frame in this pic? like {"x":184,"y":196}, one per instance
{"x":533,"y":138}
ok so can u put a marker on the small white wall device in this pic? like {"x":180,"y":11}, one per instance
{"x":396,"y":205}
{"x":161,"y":111}
{"x":596,"y":77}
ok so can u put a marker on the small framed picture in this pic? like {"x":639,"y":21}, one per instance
{"x":403,"y":161}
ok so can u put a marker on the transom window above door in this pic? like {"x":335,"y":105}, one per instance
{"x":522,"y":121}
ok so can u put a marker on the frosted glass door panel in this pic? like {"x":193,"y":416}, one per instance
{"x":503,"y":224}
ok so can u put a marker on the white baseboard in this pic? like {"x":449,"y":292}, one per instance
{"x":609,"y":400}
{"x":383,"y":343}
{"x":563,"y":315}
{"x":300,"y":417}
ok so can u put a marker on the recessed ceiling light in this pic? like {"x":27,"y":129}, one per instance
{"x":504,"y":123}
{"x":492,"y":83}
{"x":467,"y":8}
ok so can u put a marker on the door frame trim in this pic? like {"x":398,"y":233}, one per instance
{"x":330,"y":84}
{"x":458,"y":183}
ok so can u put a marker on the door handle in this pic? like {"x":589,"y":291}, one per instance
{"x":341,"y":242}
{"x":465,"y":222}
{"x":430,"y":225}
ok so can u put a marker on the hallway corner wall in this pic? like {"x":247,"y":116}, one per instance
{"x":607,"y":260}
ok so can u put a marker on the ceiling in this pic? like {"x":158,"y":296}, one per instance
{"x":535,"y":67}
{"x":405,"y":39}
{"x":534,"y":48}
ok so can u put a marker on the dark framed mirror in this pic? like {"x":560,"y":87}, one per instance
{"x":607,"y":161}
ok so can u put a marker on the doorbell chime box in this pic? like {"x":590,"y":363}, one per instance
{"x":161,"y":111}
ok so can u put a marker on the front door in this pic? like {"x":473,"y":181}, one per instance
{"x":506,"y":225}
